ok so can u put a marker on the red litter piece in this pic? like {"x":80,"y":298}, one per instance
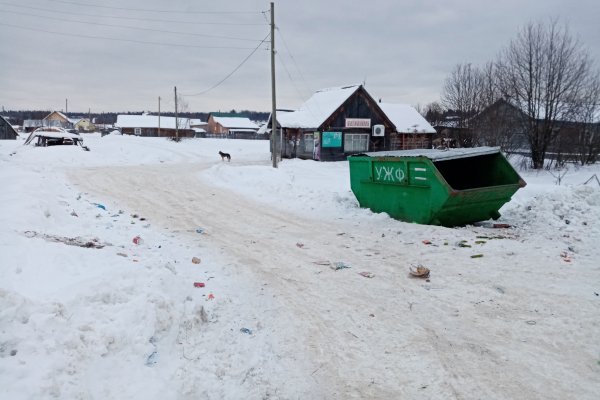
{"x":199,"y":284}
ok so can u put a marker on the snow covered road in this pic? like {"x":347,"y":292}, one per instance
{"x":472,"y":331}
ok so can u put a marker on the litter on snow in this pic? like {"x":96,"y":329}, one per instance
{"x":138,"y":240}
{"x":477,"y":256}
{"x":196,"y":260}
{"x":199,"y":284}
{"x":93,"y":243}
{"x":367,"y":274}
{"x":199,"y":230}
{"x":339,"y":265}
{"x":419,"y":271}
{"x":100,"y":206}
{"x":246,"y":330}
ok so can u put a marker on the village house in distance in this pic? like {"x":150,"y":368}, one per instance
{"x":154,"y":126}
{"x":231,"y":126}
{"x":335,"y":123}
{"x":57,"y":119}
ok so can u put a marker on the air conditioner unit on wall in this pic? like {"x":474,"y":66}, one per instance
{"x":378,"y":130}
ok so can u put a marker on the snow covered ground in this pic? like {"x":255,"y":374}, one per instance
{"x":100,"y":252}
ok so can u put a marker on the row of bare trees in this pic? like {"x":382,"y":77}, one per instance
{"x":543,"y":87}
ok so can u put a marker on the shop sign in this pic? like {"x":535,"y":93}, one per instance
{"x":358,"y":122}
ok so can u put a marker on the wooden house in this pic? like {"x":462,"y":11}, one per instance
{"x":231,"y":126}
{"x":412,"y":129}
{"x":335,"y":123}
{"x":154,"y":126}
{"x":57,"y":119}
{"x":7,"y":132}
{"x":84,"y":125}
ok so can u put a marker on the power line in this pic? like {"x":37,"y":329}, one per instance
{"x":294,"y":60}
{"x":131,"y":27}
{"x":130,"y":18}
{"x":290,"y":76}
{"x":155,"y":11}
{"x":230,"y":74}
{"x":126,"y":40}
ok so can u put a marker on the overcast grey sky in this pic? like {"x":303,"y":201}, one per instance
{"x":106,"y":57}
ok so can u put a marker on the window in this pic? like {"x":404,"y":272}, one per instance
{"x":355,"y":142}
{"x":138,"y":131}
{"x":309,"y":142}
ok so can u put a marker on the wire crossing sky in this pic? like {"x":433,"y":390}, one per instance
{"x":119,"y":55}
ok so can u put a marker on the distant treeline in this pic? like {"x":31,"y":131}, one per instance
{"x":17,"y":117}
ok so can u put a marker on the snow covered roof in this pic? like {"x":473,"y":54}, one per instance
{"x":406,"y":118}
{"x":197,"y":122}
{"x":150,"y":121}
{"x":436,"y":154}
{"x":317,"y":109}
{"x":59,"y":114}
{"x":235,"y":122}
{"x":51,"y":132}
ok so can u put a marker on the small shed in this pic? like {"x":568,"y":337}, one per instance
{"x":7,"y":132}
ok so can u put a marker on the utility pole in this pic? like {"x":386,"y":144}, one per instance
{"x":66,"y":106}
{"x":274,"y":107}
{"x":158,"y":116}
{"x":176,"y":119}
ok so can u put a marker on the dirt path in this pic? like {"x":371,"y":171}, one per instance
{"x":386,"y":337}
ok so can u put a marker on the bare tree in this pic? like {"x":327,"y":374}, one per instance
{"x":462,"y":92}
{"x":587,"y":146}
{"x":544,"y":72}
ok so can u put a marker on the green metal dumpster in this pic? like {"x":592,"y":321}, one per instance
{"x":437,"y":187}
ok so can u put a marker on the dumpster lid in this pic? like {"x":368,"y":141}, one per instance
{"x":435,"y":154}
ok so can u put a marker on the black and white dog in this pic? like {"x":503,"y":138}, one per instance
{"x":225,"y":156}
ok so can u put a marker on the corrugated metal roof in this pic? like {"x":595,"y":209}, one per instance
{"x":435,"y":154}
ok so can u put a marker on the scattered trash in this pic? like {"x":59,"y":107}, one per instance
{"x":152,"y":359}
{"x":300,"y":245}
{"x":74,"y":214}
{"x":426,"y":241}
{"x":322,"y":262}
{"x":597,"y":294}
{"x":477,"y":256}
{"x":497,"y":226}
{"x":210,"y":296}
{"x":195,"y":260}
{"x":122,"y":254}
{"x":419,"y":271}
{"x":142,"y":219}
{"x":463,"y":243}
{"x":134,"y":216}
{"x":100,"y":206}
{"x":138,"y":240}
{"x":199,"y":230}
{"x":367,"y":274}
{"x":93,"y":243}
{"x":199,"y":284}
{"x":339,"y":265}
{"x":480,"y":242}
{"x":246,"y":330}
{"x":530,"y":322}
{"x":565,"y":256}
